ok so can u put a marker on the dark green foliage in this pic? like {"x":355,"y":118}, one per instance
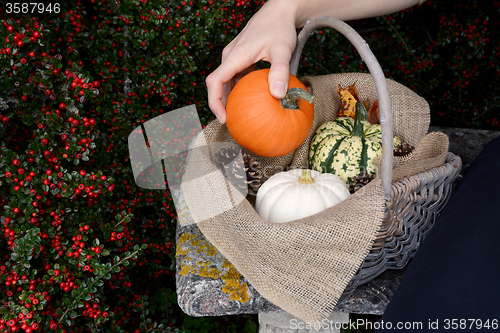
{"x":82,"y":248}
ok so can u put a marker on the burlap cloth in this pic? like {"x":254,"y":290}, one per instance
{"x":304,"y":266}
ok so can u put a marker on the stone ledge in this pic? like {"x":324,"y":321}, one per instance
{"x":465,"y":142}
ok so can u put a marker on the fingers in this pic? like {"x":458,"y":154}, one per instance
{"x":278,"y":79}
{"x":279,"y":72}
{"x":222,"y":80}
{"x":215,"y":88}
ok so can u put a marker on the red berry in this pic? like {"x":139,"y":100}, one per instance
{"x":57,"y":272}
{"x":62,"y":106}
{"x":32,"y":54}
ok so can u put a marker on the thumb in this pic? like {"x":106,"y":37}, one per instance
{"x":279,"y":74}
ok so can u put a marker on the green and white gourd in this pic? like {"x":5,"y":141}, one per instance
{"x":347,"y":147}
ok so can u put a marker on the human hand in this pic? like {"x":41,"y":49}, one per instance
{"x":270,"y":35}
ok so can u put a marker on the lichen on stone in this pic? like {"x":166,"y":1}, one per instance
{"x":196,"y":255}
{"x":233,"y":286}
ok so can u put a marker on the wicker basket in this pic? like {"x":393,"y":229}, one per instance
{"x":413,"y":203}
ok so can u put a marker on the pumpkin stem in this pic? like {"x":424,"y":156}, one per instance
{"x":306,"y":178}
{"x":360,"y":117}
{"x":292,"y":94}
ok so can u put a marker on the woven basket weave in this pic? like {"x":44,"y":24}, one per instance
{"x":409,"y":215}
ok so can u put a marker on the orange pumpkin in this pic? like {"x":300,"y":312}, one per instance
{"x":264,"y":125}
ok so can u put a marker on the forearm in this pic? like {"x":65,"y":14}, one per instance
{"x":305,"y":10}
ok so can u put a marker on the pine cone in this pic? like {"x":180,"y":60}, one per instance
{"x":234,"y":170}
{"x":225,"y":156}
{"x":403,"y":149}
{"x":254,"y":174}
{"x":359,"y":181}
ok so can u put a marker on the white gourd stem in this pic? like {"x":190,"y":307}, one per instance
{"x":306,"y":177}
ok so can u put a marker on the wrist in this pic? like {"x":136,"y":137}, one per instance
{"x":287,"y":9}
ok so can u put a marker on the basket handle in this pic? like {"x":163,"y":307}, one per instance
{"x":378,"y":77}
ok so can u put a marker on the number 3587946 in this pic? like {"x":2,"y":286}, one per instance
{"x":31,"y":8}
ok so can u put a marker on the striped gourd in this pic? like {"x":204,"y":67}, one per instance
{"x":347,"y":147}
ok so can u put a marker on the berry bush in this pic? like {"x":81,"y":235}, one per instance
{"x":447,"y":53}
{"x":82,"y":248}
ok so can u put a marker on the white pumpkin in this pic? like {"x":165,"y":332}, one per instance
{"x":298,"y":193}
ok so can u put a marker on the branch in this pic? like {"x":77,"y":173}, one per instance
{"x":488,"y":109}
{"x":397,"y":33}
{"x":192,"y":69}
{"x":210,"y":22}
{"x":92,"y":284}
